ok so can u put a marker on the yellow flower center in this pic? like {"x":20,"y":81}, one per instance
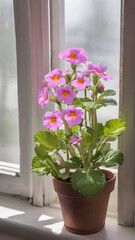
{"x":53,"y":120}
{"x":80,"y":81}
{"x":55,"y":78}
{"x":100,"y":72}
{"x":73,"y":115}
{"x":65,"y":93}
{"x":72,"y":56}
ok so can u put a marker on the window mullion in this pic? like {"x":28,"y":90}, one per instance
{"x":126,"y":192}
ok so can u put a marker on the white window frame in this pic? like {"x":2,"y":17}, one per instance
{"x":126,"y":186}
{"x":33,"y":62}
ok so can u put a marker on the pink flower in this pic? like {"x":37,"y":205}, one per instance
{"x":68,"y":71}
{"x":55,"y":78}
{"x":43,"y":85}
{"x":58,"y":162}
{"x":73,"y":115}
{"x":61,"y":113}
{"x":65,"y":94}
{"x":44,"y":95}
{"x":75,"y":140}
{"x":101,"y":88}
{"x":99,"y":70}
{"x":92,"y":96}
{"x":81,"y":82}
{"x":52,"y":120}
{"x":74,"y":55}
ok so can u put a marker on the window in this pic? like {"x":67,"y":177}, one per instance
{"x":33,"y":62}
{"x":9,"y":124}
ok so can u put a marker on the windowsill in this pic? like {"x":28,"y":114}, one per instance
{"x":20,"y":220}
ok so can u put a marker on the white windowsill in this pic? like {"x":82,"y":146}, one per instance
{"x":20,"y":220}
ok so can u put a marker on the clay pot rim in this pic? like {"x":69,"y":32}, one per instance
{"x":104,"y":170}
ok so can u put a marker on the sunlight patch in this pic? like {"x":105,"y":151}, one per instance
{"x":56,"y":227}
{"x":9,"y":212}
{"x":44,"y":217}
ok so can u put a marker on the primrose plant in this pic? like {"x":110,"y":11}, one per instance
{"x":75,"y":145}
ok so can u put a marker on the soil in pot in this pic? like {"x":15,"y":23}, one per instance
{"x":83,"y":214}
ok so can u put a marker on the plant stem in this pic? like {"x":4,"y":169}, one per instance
{"x":60,"y":107}
{"x":61,"y":158}
{"x":102,"y":143}
{"x":89,"y":157}
{"x":95,"y":119}
{"x":82,"y":154}
{"x":71,"y":150}
{"x":73,"y":66}
{"x":54,"y":168}
{"x":67,"y":155}
{"x":67,"y":129}
{"x":85,"y":113}
{"x":90,"y":118}
{"x":84,"y":160}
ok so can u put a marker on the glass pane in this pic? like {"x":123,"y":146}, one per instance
{"x":95,"y":26}
{"x":9,"y":129}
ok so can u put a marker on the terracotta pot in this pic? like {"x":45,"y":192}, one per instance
{"x":83,"y":214}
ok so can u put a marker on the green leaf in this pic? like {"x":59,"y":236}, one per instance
{"x":41,"y":167}
{"x":75,"y":128}
{"x":91,"y":132}
{"x":89,"y":105}
{"x":108,"y":92}
{"x":61,"y":134}
{"x":105,"y":147}
{"x":97,"y":158}
{"x":101,"y":102}
{"x":95,"y":79}
{"x":112,"y":158}
{"x":62,"y":143}
{"x":109,"y":101}
{"x":88,"y":183}
{"x":114,"y":128}
{"x":65,"y":175}
{"x":89,"y":142}
{"x":79,"y":101}
{"x":100,"y":129}
{"x":41,"y":152}
{"x":71,"y":163}
{"x":48,"y":139}
{"x":76,"y":131}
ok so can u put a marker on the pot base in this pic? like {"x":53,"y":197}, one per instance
{"x":83,"y":214}
{"x":84,"y":232}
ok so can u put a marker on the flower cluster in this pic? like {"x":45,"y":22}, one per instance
{"x":55,"y":86}
{"x":73,"y":128}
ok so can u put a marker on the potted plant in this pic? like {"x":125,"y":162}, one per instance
{"x":75,"y":144}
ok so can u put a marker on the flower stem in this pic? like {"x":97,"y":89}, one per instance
{"x":56,"y":172}
{"x":67,"y":154}
{"x":67,"y":129}
{"x":89,"y":158}
{"x":61,"y":158}
{"x":71,"y":150}
{"x":82,"y":153}
{"x":85,"y":113}
{"x":102,"y":143}
{"x":73,"y":66}
{"x":90,"y":118}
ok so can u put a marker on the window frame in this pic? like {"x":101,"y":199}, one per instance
{"x":33,"y":62}
{"x":126,"y":172}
